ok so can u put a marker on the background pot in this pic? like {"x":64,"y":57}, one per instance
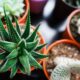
{"x":67,"y":33}
{"x":24,"y":16}
{"x":50,"y":47}
{"x":60,"y":12}
{"x":37,"y":6}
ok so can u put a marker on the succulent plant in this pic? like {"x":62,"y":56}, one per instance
{"x":75,"y":3}
{"x":12,"y":7}
{"x":65,"y":66}
{"x":20,"y":50}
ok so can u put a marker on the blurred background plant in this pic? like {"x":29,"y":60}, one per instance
{"x":74,"y":3}
{"x":12,"y":7}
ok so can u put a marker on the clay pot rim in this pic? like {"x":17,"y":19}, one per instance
{"x":24,"y":16}
{"x":42,"y":42}
{"x":50,"y":47}
{"x":68,"y":23}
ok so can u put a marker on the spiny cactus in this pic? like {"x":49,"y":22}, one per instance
{"x":65,"y":66}
{"x":12,"y":7}
{"x":21,"y":51}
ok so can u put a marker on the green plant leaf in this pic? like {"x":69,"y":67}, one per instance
{"x":13,"y":54}
{"x":8,"y":46}
{"x":3,"y":31}
{"x":22,"y":69}
{"x":31,"y":45}
{"x":38,"y":55}
{"x":2,"y":55}
{"x":24,"y":60}
{"x":39,"y":47}
{"x":22,"y":43}
{"x":12,"y":32}
{"x":8,"y":64}
{"x":13,"y":71}
{"x":17,"y":26}
{"x":32,"y":37}
{"x":32,"y":60}
{"x":28,"y":24}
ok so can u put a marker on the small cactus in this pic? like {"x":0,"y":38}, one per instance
{"x":65,"y":66}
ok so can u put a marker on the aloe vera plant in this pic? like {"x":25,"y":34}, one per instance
{"x":21,"y":50}
{"x":65,"y":66}
{"x":12,"y":7}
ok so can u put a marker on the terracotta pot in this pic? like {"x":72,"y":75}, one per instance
{"x":50,"y":47}
{"x":37,"y":6}
{"x":42,"y":41}
{"x":67,"y":33}
{"x":24,"y":16}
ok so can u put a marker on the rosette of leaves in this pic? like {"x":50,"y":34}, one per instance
{"x":12,"y":7}
{"x":21,"y":51}
{"x":65,"y":66}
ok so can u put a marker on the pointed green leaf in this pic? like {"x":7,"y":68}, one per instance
{"x":12,"y":32}
{"x":8,"y":64}
{"x":13,"y":71}
{"x":2,"y":55}
{"x":22,"y":69}
{"x":13,"y":54}
{"x":38,"y":55}
{"x":2,"y":36}
{"x":28,"y":24}
{"x":3,"y":31}
{"x":22,"y":43}
{"x":17,"y":26}
{"x":39,"y":47}
{"x":33,"y":35}
{"x":24,"y":60}
{"x":32,"y":60}
{"x":31,"y":45}
{"x":8,"y":46}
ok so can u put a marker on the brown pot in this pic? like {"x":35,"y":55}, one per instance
{"x":42,"y":41}
{"x":24,"y":16}
{"x":67,"y":33}
{"x":50,"y":47}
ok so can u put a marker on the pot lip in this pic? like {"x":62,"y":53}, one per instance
{"x":49,"y":48}
{"x":22,"y":19}
{"x":68,"y":23}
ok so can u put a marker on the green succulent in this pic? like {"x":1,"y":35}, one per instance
{"x":21,"y":50}
{"x":12,"y":7}
{"x":65,"y":66}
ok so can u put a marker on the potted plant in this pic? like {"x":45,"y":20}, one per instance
{"x":36,"y":6}
{"x":20,"y":47}
{"x":64,"y":69}
{"x":73,"y":30}
{"x":57,"y":51}
{"x":18,"y":8}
